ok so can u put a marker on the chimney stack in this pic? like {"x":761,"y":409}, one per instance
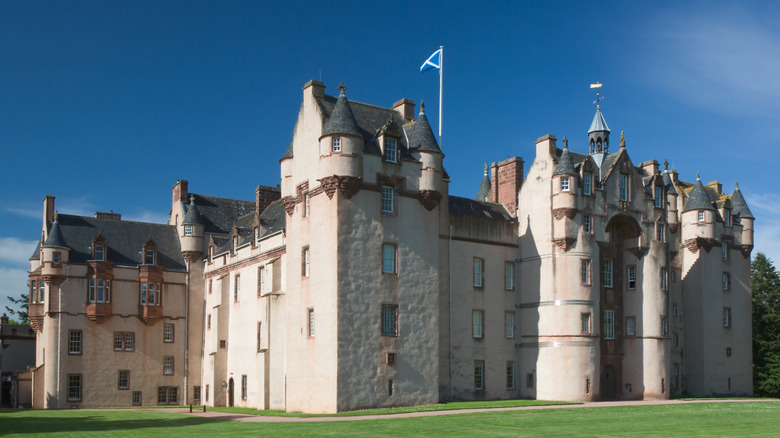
{"x":180,"y":193}
{"x":264,"y":196}
{"x":405,"y":107}
{"x":506,"y":178}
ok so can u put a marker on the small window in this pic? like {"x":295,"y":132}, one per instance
{"x":100,"y":253}
{"x":188,"y":230}
{"x":335,"y":144}
{"x":724,"y":250}
{"x":479,"y":375}
{"x":136,"y":398}
{"x":623,"y":187}
{"x":509,"y":276}
{"x":123,"y":379}
{"x":631,"y":277}
{"x":261,"y":280}
{"x":609,"y":324}
{"x":124,"y":341}
{"x":243,"y":387}
{"x":727,"y":217}
{"x":211,"y":286}
{"x":256,"y":233}
{"x":259,"y":336}
{"x":701,"y":215}
{"x":389,"y":320}
{"x":311,"y":323}
{"x":391,"y":150}
{"x":585,"y":323}
{"x":660,"y":230}
{"x":55,"y":259}
{"x":388,"y":199}
{"x":391,"y":358}
{"x":74,"y":341}
{"x":728,"y":351}
{"x":306,"y":205}
{"x":237,"y":288}
{"x":305,"y":268}
{"x":388,"y":258}
{"x":585,"y":272}
{"x":509,"y":325}
{"x":587,"y":183}
{"x":196,"y":394}
{"x":208,"y":321}
{"x":664,"y":279}
{"x":564,"y":183}
{"x":725,"y":281}
{"x":74,"y":387}
{"x":587,"y":224}
{"x":529,"y":380}
{"x":726,"y":317}
{"x":168,"y":332}
{"x":477,"y":324}
{"x":222,"y":343}
{"x":510,"y":375}
{"x":631,"y":326}
{"x":659,"y":200}
{"x":478,"y":272}
{"x":149,"y":256}
{"x":664,"y":326}
{"x":607,"y":272}
{"x":675,"y":340}
{"x":168,"y":365}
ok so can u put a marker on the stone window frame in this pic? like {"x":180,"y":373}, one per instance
{"x":389,"y":320}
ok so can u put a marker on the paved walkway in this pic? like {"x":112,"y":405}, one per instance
{"x":274,"y":419}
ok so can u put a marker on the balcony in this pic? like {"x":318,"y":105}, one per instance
{"x":149,"y":314}
{"x":98,"y":312}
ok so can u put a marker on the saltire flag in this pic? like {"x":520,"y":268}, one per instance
{"x":433,"y":61}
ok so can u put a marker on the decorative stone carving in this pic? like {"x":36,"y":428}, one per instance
{"x":673,"y":228}
{"x":289,"y":204}
{"x":429,"y":199}
{"x":565,"y":243}
{"x":693,"y":245}
{"x":346,"y":185}
{"x":745,"y":250}
{"x":559,"y":213}
{"x":639,"y":251}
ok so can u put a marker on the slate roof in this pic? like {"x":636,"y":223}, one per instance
{"x":739,"y":206}
{"x":37,"y":253}
{"x":219,"y":214}
{"x":124,"y":240}
{"x":565,"y":166}
{"x":55,"y":236}
{"x":484,"y":189}
{"x":598,"y":124}
{"x":421,"y":137}
{"x":698,"y":198}
{"x":192,"y":215}
{"x":478,"y":209}
{"x":341,"y":120}
{"x":272,"y":220}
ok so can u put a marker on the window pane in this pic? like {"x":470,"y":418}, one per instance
{"x":479,"y":374}
{"x":609,"y":324}
{"x":478,"y":272}
{"x":509,"y":276}
{"x":509,"y":325}
{"x":476,"y":323}
{"x":607,"y":271}
{"x":388,"y":194}
{"x":74,"y":388}
{"x":388,"y":259}
{"x":389,"y":323}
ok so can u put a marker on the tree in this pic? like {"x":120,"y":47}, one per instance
{"x":766,"y":326}
{"x":22,"y":303}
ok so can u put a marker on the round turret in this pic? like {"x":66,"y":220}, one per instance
{"x":342,"y":143}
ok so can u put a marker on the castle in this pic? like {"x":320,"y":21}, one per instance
{"x":359,"y":282}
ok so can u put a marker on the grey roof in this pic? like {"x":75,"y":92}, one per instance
{"x":124,"y":240}
{"x":565,"y":166}
{"x":289,"y":152}
{"x":739,"y":206}
{"x":55,"y":236}
{"x":484,"y":189}
{"x":219,"y":214}
{"x":598,"y":124}
{"x":37,"y":253}
{"x":271,"y":220}
{"x":421,"y":137}
{"x":478,"y":209}
{"x":698,"y":199}
{"x":192,"y":215}
{"x":342,"y":120}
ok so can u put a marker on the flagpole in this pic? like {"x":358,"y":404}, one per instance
{"x":441,"y":80}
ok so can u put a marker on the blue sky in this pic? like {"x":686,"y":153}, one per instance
{"x":106,"y":104}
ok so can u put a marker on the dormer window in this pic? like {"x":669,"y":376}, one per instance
{"x":623,"y":187}
{"x":659,"y":197}
{"x":564,"y":183}
{"x":587,"y":183}
{"x":100,"y":253}
{"x":149,"y":256}
{"x":727,"y":217}
{"x":256,"y":233}
{"x":188,"y":230}
{"x":391,"y":150}
{"x":335,"y":144}
{"x":235,"y":243}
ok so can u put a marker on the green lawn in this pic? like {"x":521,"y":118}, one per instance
{"x":704,"y":419}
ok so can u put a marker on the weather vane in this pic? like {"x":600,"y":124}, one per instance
{"x":599,"y":98}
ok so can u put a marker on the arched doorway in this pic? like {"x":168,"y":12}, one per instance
{"x":608,"y":384}
{"x":231,"y":392}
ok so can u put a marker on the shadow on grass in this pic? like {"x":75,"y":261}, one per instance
{"x":94,"y":423}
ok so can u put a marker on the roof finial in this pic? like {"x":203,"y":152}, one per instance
{"x":342,"y":88}
{"x":486,"y":169}
{"x":565,"y":143}
{"x":737,"y":185}
{"x":422,"y":107}
{"x":192,"y":198}
{"x":666,"y":165}
{"x":622,"y":141}
{"x":599,"y":98}
{"x":697,"y":176}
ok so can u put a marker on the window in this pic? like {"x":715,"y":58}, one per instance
{"x":124,"y":341}
{"x":585,"y":323}
{"x":123,"y":379}
{"x":167,"y":395}
{"x":306,"y":205}
{"x":607,"y":272}
{"x":149,"y":256}
{"x":150,"y":294}
{"x":675,"y":340}
{"x":211,"y":286}
{"x":728,"y":351}
{"x":256,"y":232}
{"x":335,"y":144}
{"x":724,"y":250}
{"x":478,"y":265}
{"x":389,"y":320}
{"x":100,"y":253}
{"x":479,"y":375}
{"x":587,"y":183}
{"x":136,"y":398}
{"x":237,"y":288}
{"x":529,"y":380}
{"x":196,"y":394}
{"x":725,"y":281}
{"x":305,"y":260}
{"x":659,"y":232}
{"x":388,"y":258}
{"x":259,"y":336}
{"x":55,"y":260}
{"x":208,"y":322}
{"x":260,"y":280}
{"x":74,"y":341}
{"x":509,"y":276}
{"x":188,"y":230}
{"x":168,"y":333}
{"x":311,"y":323}
{"x":391,"y":358}
{"x":235,"y":244}
{"x":631,"y":277}
{"x":390,"y":387}
{"x":388,"y":199}
{"x":585,"y":272}
{"x":623,"y":187}
{"x":726,"y":317}
{"x":564,"y":183}
{"x":726,"y":217}
{"x":509,"y":325}
{"x":243,"y":386}
{"x":631,"y":326}
{"x":510,"y":374}
{"x":477,"y":322}
{"x":167,"y":365}
{"x":664,"y":279}
{"x":99,"y":290}
{"x":587,"y":224}
{"x":701,"y":215}
{"x":391,"y":150}
{"x":609,"y":324}
{"x":37,"y":290}
{"x":222,"y":343}
{"x":659,"y":201}
{"x":74,"y":387}
{"x":664,"y":326}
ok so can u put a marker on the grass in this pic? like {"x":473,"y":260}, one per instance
{"x":756,"y":419}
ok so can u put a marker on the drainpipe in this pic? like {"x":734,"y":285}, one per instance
{"x":59,"y":332}
{"x":186,"y":326}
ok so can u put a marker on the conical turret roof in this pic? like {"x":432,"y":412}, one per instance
{"x":739,"y":206}
{"x":565,"y":165}
{"x":342,"y":120}
{"x":193,"y":216}
{"x":484,"y":187}
{"x":598,"y":124}
{"x":421,"y":138}
{"x":697,"y":198}
{"x":55,"y":237}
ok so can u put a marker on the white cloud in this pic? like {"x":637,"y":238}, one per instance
{"x":153,"y":217}
{"x":766,"y":208}
{"x":13,"y":282}
{"x":29,"y":212}
{"x":16,"y":252}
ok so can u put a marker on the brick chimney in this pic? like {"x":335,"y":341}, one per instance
{"x":506,"y":178}
{"x":180,"y":193}
{"x":48,"y":214}
{"x":264,"y":196}
{"x":405,"y":107}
